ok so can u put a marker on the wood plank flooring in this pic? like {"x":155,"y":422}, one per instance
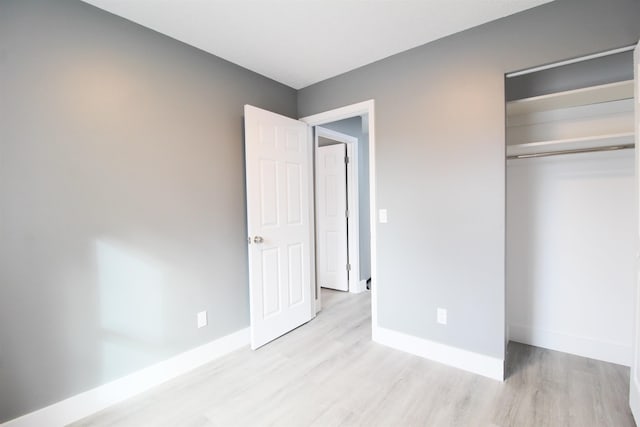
{"x":330,"y":373}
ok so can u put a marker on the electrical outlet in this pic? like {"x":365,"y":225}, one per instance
{"x":382,"y":216}
{"x":442,"y":316}
{"x":202,"y":319}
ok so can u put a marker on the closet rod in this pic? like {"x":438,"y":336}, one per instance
{"x":575,"y":151}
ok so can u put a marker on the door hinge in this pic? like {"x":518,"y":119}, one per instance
{"x":348,"y":267}
{"x":346,"y":160}
{"x":346,"y":213}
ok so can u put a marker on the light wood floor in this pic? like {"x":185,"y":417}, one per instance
{"x":329,"y":373}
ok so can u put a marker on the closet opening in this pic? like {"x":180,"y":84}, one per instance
{"x":571,"y":220}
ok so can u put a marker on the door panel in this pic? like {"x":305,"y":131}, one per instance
{"x":278,"y":173}
{"x":294,"y":194}
{"x":271,"y":282}
{"x":332,"y":249}
{"x":269,"y":192}
{"x":296,"y":282}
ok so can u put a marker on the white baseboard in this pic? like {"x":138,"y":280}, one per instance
{"x":360,"y":287}
{"x":480,"y":364}
{"x":580,"y":346}
{"x":634,"y":398}
{"x":99,"y":398}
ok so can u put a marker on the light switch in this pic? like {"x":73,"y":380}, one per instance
{"x":442,"y":316}
{"x":202,"y":319}
{"x":382,"y":216}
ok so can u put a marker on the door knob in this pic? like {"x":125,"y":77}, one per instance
{"x":258,"y":239}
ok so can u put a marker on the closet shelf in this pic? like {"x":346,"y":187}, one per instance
{"x":572,"y":98}
{"x":571,"y":144}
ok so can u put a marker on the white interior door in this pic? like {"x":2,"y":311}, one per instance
{"x":634,"y":392}
{"x":331,"y":217}
{"x":278,"y":171}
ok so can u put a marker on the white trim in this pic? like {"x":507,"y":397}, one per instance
{"x":99,"y":398}
{"x":335,"y":135}
{"x":581,"y":346}
{"x":346,"y":112}
{"x":360,"y":109}
{"x":634,"y":398}
{"x":476,"y":363}
{"x":353,"y":221}
{"x":317,"y":295}
{"x":361,"y":287}
{"x":634,"y":386}
{"x":570,"y":61}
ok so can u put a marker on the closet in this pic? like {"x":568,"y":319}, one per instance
{"x":570,"y":207}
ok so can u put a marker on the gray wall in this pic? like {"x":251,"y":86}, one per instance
{"x":122,"y":193}
{"x":122,"y":200}
{"x":353,"y":127}
{"x":598,"y":71}
{"x":440,"y":161}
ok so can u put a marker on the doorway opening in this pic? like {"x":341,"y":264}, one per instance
{"x":281,"y":225}
{"x":342,"y":206}
{"x":335,"y":125}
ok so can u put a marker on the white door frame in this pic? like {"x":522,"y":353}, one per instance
{"x":353,"y":220}
{"x":362,"y":108}
{"x":634,"y":386}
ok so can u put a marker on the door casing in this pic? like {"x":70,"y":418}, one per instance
{"x":634,"y":386}
{"x":366,"y":109}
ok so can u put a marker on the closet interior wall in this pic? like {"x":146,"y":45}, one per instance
{"x":571,"y":218}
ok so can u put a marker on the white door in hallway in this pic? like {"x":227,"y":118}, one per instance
{"x":331,"y":217}
{"x":278,"y":179}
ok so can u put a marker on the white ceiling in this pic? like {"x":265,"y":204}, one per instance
{"x":301,"y":42}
